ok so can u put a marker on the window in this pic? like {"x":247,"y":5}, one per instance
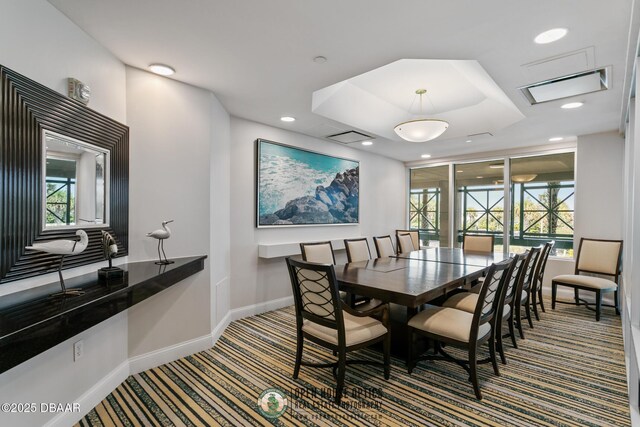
{"x":428,"y":205}
{"x":543,"y":194}
{"x":480,"y":200}
{"x":540,"y":208}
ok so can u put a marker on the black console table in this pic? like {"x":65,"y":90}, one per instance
{"x":32,"y":327}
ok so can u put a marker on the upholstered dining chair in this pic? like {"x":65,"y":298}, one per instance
{"x":405,"y":244}
{"x":478,"y":243}
{"x":523,"y":292}
{"x":415,"y":237}
{"x":536,"y":291}
{"x":461,"y":329}
{"x":322,"y":317}
{"x":467,"y":301}
{"x":357,"y":249}
{"x":318,"y":252}
{"x":384,"y":246}
{"x":595,"y":256}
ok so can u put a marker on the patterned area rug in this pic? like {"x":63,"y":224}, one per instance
{"x":568,"y":372}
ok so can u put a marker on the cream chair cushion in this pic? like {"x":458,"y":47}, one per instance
{"x":319,"y":253}
{"x":357,"y":330}
{"x":415,"y":237}
{"x":465,"y":301}
{"x":358,"y":250}
{"x":586,"y":281}
{"x":477,"y":243}
{"x":385,"y":247}
{"x":405,"y":243}
{"x":447,"y":322}
{"x":599,"y":257}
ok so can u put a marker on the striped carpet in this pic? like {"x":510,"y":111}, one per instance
{"x":568,"y":372}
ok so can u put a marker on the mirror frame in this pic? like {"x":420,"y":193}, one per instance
{"x":27,"y":108}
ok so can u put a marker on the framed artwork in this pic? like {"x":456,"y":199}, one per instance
{"x":297,"y":187}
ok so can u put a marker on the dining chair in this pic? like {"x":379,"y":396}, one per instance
{"x":357,"y":249}
{"x":523,"y":292}
{"x":478,"y":243}
{"x":467,"y":301}
{"x":415,"y":237}
{"x":322,"y":318}
{"x":384,"y":246}
{"x":405,"y":244}
{"x":461,"y":329}
{"x":595,"y":256}
{"x":318,"y":252}
{"x":536,"y":292}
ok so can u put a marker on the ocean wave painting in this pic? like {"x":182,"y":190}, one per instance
{"x":299,"y":187}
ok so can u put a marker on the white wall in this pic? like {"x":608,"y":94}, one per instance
{"x":382,"y":210}
{"x":38,"y":41}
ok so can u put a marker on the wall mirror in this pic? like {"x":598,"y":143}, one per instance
{"x":75,"y":188}
{"x":63,"y":167}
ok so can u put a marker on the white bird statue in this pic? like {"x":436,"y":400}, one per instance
{"x":64,"y":247}
{"x":161,"y":234}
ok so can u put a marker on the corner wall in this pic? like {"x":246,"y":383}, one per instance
{"x":256,"y":281}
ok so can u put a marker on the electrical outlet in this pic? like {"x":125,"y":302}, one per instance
{"x":78,"y":350}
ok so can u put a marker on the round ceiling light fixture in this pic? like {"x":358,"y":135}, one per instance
{"x":320,"y":59}
{"x":288,"y":119}
{"x":421,"y":130}
{"x":551,"y":36}
{"x":523,"y":178}
{"x":162,"y":69}
{"x":572,"y":105}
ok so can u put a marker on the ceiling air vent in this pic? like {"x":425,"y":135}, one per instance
{"x":349,"y":137}
{"x":567,"y":86}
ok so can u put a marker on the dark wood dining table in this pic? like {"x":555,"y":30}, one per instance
{"x":412,"y":279}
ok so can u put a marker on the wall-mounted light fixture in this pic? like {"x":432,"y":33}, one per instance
{"x":78,"y":90}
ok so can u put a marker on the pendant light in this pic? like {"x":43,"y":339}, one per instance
{"x":421,"y":130}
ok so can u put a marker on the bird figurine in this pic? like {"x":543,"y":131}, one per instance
{"x":64,"y":247}
{"x":161,"y":234}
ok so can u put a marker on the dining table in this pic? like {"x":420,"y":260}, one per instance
{"x":409,"y":280}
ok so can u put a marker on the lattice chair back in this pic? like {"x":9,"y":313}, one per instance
{"x":316,"y":294}
{"x":544,"y":256}
{"x":514,"y":274}
{"x":529,"y":272}
{"x":489,"y":296}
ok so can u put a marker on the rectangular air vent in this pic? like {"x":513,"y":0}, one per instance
{"x":567,"y":86}
{"x":349,"y":137}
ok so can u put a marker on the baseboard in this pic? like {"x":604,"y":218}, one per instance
{"x":263,"y":307}
{"x":219,"y":330}
{"x":168,"y":354}
{"x":92,"y":397}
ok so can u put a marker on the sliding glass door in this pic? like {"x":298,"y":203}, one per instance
{"x":429,"y":205}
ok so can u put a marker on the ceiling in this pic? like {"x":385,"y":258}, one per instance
{"x":257,"y":56}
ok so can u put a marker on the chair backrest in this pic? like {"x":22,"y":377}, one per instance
{"x":384,"y":246}
{"x":357,"y":249}
{"x":405,"y":244}
{"x":542,"y":261}
{"x":478,"y":243}
{"x":599,"y":256}
{"x":316,"y":295}
{"x":529,"y":271}
{"x":318,"y":252}
{"x":516,"y":276}
{"x":489,"y":297}
{"x":415,"y":237}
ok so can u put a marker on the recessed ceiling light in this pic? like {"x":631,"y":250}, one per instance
{"x":367,"y":142}
{"x":468,"y":140}
{"x":459,"y":171}
{"x":497,"y":166}
{"x":163,"y":70}
{"x":556,"y":138}
{"x":320,"y":59}
{"x":288,"y":119}
{"x":479,"y":177}
{"x":571,"y":105}
{"x":426,"y":156}
{"x":551,"y":36}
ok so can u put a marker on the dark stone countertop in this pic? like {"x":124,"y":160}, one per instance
{"x":32,"y":327}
